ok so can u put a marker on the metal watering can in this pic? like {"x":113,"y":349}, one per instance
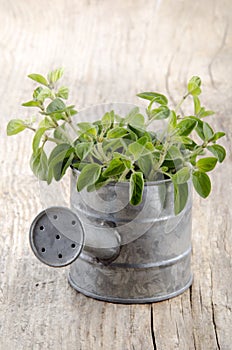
{"x":118,"y":252}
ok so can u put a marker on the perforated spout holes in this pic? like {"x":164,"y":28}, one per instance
{"x":56,"y":236}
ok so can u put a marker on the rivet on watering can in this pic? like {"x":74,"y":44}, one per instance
{"x":56,"y":236}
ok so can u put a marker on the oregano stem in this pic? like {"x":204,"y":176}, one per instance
{"x":160,"y":162}
{"x":97,"y":155}
{"x":101,"y":152}
{"x":52,"y":139}
{"x":180,"y":103}
{"x":124,"y":174}
{"x":69,"y":121}
{"x":30,"y":128}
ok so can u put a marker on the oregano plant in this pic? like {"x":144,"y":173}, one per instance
{"x":123,"y":148}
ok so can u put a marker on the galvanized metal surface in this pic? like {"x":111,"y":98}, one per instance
{"x":56,"y":236}
{"x":155,"y":251}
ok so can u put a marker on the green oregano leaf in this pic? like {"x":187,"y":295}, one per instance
{"x":82,"y":149}
{"x":70,"y":110}
{"x":203,"y":113}
{"x":98,"y":184}
{"x":136,"y":188}
{"x":15,"y":126}
{"x":39,"y":79}
{"x":131,"y":114}
{"x":217,"y":136}
{"x":127,"y":163}
{"x":194,"y":86}
{"x":60,"y":134}
{"x":185,"y":126}
{"x":63,"y":92}
{"x":173,"y":153}
{"x":154,"y":96}
{"x":59,"y":160}
{"x":107,"y":120}
{"x":206,"y":164}
{"x":44,"y":93}
{"x":39,"y":164}
{"x":55,"y":75}
{"x":135,"y":118}
{"x":180,"y":196}
{"x":116,"y":133}
{"x":37,"y":138}
{"x":32,"y":103}
{"x":181,"y":176}
{"x":199,"y":129}
{"x":138,"y":131}
{"x":145,"y":164}
{"x":218,"y":151}
{"x":60,"y":168}
{"x":88,"y":176}
{"x":172,"y":122}
{"x":47,"y":123}
{"x":159,"y":113}
{"x":55,"y":106}
{"x":207,"y":131}
{"x":111,"y":145}
{"x":201,"y":183}
{"x":136,"y":149}
{"x":143,"y":141}
{"x":88,"y":128}
{"x":115,"y":167}
{"x":36,"y":92}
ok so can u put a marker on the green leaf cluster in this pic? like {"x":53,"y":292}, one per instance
{"x":125,"y":148}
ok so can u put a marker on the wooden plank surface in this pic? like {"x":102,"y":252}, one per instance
{"x":111,"y":50}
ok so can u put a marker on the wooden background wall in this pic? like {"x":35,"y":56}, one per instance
{"x":111,"y":50}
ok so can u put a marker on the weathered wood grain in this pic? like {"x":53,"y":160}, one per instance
{"x":112,"y":50}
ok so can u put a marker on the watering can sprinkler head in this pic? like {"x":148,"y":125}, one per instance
{"x":57,"y":238}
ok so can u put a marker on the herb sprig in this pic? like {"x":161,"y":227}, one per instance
{"x":123,"y":148}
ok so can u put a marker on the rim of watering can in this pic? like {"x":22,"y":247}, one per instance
{"x":126,"y":183}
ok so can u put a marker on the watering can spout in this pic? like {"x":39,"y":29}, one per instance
{"x":57,"y":238}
